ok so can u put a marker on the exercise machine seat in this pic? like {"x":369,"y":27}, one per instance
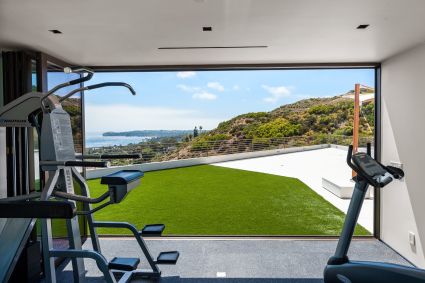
{"x":123,"y":177}
{"x":124,"y":263}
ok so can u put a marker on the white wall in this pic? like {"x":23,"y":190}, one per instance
{"x":403,"y":135}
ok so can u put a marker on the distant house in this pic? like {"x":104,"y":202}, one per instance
{"x":364,"y":97}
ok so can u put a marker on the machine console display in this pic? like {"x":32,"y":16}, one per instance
{"x":368,"y":165}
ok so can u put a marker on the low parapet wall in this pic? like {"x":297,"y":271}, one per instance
{"x":153,"y":166}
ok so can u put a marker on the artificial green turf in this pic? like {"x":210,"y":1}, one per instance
{"x":211,"y":200}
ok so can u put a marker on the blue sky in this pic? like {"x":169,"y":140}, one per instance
{"x":181,"y":100}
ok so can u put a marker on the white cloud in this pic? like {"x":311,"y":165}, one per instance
{"x":198,"y":92}
{"x":276,"y":93}
{"x":102,"y":118}
{"x":236,"y":87}
{"x":188,"y":88}
{"x":186,"y":74}
{"x":216,"y":86}
{"x":204,"y":95}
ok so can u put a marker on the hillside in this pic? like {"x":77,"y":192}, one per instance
{"x":314,"y":119}
{"x":306,"y":117}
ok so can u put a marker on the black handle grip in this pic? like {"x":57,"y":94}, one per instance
{"x":349,"y":155}
{"x":396,"y":172}
{"x":100,"y":164}
{"x":369,"y":149}
{"x":112,"y":84}
{"x":81,"y":80}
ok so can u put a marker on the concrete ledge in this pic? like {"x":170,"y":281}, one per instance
{"x":153,"y":166}
{"x":340,"y":187}
{"x":344,"y":147}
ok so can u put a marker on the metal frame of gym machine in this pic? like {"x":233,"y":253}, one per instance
{"x":58,"y":158}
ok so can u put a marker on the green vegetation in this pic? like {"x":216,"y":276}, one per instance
{"x":332,"y":116}
{"x":277,"y":128}
{"x":210,"y":200}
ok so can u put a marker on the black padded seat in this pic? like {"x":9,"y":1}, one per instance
{"x":123,"y":177}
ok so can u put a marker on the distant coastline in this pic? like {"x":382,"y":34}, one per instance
{"x":106,"y":139}
{"x":149,"y":133}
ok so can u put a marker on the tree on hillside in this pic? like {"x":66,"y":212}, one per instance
{"x":200,"y":129}
{"x":188,"y":138}
{"x":195,"y":132}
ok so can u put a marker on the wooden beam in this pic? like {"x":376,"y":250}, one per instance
{"x":356,"y":120}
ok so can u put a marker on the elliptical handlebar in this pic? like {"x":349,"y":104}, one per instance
{"x":69,"y":70}
{"x":130,"y":88}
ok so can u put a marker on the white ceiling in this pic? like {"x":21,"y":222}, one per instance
{"x":129,"y":32}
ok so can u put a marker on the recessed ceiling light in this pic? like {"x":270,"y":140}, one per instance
{"x":362,"y":26}
{"x":206,"y":28}
{"x":55,"y":31}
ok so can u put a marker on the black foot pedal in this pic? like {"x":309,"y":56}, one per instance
{"x":152,"y":230}
{"x":124,"y":263}
{"x":168,"y":257}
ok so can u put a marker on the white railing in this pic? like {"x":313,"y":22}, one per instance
{"x":157,"y":151}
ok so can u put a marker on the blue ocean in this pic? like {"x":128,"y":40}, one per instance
{"x":97,"y":140}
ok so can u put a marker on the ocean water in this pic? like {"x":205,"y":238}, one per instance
{"x":97,"y":140}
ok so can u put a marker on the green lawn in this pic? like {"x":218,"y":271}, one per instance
{"x":211,"y":200}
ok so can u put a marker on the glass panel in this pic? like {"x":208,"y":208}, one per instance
{"x":284,"y":132}
{"x":3,"y":173}
{"x":37,"y":183}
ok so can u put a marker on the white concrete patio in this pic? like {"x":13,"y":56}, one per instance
{"x":309,"y":167}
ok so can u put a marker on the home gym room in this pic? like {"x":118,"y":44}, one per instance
{"x":212,"y":141}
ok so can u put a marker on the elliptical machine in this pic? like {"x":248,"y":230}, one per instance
{"x":339,"y":268}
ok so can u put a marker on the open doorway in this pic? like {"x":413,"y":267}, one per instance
{"x":266,"y":148}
